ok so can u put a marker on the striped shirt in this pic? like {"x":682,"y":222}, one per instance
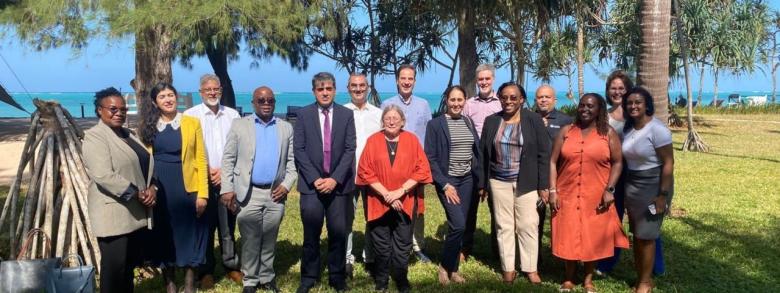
{"x":461,"y":141}
{"x":508,"y":147}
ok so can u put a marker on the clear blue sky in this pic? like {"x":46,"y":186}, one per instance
{"x":102,"y":64}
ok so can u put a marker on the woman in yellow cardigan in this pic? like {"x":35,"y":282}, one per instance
{"x":179,"y":237}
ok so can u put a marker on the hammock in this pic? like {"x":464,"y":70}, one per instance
{"x":6,"y":98}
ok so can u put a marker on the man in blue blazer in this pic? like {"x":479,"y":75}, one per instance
{"x":324,"y":146}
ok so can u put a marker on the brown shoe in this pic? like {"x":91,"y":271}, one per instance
{"x":444,"y":278}
{"x":534,"y":278}
{"x":457,"y":278}
{"x":236,"y":276}
{"x":509,"y":277}
{"x":207,"y":282}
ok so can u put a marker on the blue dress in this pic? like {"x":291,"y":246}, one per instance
{"x":180,"y":237}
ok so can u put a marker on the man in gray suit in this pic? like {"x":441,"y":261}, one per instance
{"x":258,"y":170}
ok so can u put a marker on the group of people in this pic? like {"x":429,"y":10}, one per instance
{"x":159,"y":193}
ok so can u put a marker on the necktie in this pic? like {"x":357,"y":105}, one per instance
{"x":326,"y":142}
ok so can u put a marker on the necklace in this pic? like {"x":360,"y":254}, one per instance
{"x":392,"y":146}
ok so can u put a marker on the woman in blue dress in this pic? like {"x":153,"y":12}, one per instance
{"x":179,"y":237}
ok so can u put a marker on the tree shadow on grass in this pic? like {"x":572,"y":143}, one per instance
{"x":742,"y":157}
{"x":721,"y":260}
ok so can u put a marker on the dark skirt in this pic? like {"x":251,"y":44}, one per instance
{"x":641,"y":189}
{"x":179,"y":237}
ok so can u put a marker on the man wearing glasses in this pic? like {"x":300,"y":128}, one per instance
{"x":215,"y":120}
{"x":367,"y":122}
{"x":258,"y":170}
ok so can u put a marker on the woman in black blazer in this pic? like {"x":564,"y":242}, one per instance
{"x":452,"y":148}
{"x":516,"y":154}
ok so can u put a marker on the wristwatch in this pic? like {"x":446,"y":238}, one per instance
{"x":665,"y":192}
{"x":611,"y":189}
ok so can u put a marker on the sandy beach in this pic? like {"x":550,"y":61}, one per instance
{"x":13,"y":133}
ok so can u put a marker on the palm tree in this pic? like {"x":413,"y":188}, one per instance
{"x":693,"y":142}
{"x":653,"y":65}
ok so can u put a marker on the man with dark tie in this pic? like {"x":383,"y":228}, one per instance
{"x":324,"y":146}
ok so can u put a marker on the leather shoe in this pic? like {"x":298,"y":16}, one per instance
{"x":369,"y":267}
{"x":348,"y":270}
{"x":249,"y":289}
{"x":235,"y":276}
{"x":207,"y":282}
{"x":534,"y":278}
{"x":304,"y":289}
{"x":270,"y":286}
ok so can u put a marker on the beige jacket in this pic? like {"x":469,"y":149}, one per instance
{"x":113,"y":166}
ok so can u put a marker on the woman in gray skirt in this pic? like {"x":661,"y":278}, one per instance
{"x":647,"y":150}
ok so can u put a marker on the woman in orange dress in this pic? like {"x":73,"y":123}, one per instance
{"x":393,"y":164}
{"x":585,"y":164}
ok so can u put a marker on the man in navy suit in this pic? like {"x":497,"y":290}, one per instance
{"x":324,"y":146}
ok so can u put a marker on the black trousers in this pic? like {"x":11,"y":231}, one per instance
{"x":392,"y":236}
{"x":335,"y":211}
{"x":471,"y":227}
{"x":541,"y":209}
{"x":119,"y":256}
{"x":456,"y":220}
{"x":221,"y":220}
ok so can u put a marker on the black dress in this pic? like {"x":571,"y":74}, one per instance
{"x":180,"y":238}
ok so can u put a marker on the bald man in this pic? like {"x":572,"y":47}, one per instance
{"x":258,"y":170}
{"x":545,"y":106}
{"x":553,"y":120}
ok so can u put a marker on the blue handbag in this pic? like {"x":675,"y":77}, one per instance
{"x":79,"y":279}
{"x":25,"y":274}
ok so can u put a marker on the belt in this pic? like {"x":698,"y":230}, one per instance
{"x":262,"y":186}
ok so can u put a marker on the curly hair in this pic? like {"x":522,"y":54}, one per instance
{"x":649,"y":106}
{"x":105,"y":93}
{"x":150,"y":114}
{"x":618,"y":74}
{"x":602,"y":123}
{"x":519,"y":87}
{"x":446,"y":95}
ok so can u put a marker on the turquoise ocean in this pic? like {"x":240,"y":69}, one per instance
{"x":73,"y":101}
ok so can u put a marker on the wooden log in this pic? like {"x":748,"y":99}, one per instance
{"x":45,"y":194}
{"x":32,"y":193}
{"x":40,"y":206}
{"x":73,"y":160}
{"x":63,"y":221}
{"x":74,"y":126}
{"x":26,"y":151}
{"x":82,"y":238}
{"x":49,"y":165}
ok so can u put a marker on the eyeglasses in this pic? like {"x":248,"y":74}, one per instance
{"x":114,"y":110}
{"x":511,"y":98}
{"x":211,"y":90}
{"x":391,"y":119}
{"x":260,"y":101}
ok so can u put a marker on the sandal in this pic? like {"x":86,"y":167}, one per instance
{"x":589,"y":288}
{"x":566,"y":287}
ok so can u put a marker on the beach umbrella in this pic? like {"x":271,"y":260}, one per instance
{"x":6,"y":97}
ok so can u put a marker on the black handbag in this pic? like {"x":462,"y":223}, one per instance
{"x":24,"y":274}
{"x":79,"y":279}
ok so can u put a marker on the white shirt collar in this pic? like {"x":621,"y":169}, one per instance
{"x":175,"y":123}
{"x":207,"y":111}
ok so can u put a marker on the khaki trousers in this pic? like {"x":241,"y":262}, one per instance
{"x":516,"y":223}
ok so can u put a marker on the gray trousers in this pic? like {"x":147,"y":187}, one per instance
{"x":258,"y":223}
{"x":368,"y":253}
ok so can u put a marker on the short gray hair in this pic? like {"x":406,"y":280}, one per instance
{"x":486,"y":66}
{"x":393,"y":107}
{"x":322,"y":77}
{"x":209,"y":77}
{"x":355,"y":74}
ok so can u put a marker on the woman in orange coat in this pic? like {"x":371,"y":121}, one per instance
{"x":585,"y":164}
{"x":393,"y":199}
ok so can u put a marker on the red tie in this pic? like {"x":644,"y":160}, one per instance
{"x":326,"y":142}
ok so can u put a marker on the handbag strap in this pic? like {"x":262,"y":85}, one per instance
{"x":29,"y":240}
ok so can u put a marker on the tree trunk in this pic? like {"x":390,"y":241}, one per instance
{"x":653,"y":66}
{"x":153,"y":55}
{"x":715,"y":87}
{"x":701,"y":83}
{"x":467,"y":49}
{"x":693,"y":141}
{"x":580,"y":57}
{"x":218,"y":58}
{"x":774,"y":68}
{"x":520,"y":60}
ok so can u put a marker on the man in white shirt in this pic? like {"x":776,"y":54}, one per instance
{"x":215,"y":121}
{"x":368,"y":120}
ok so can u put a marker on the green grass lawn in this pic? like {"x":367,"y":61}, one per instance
{"x":723,"y":236}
